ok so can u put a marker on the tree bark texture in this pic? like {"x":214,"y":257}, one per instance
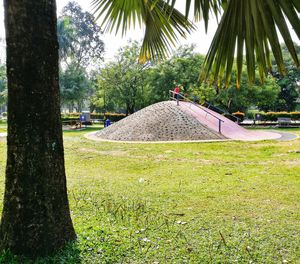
{"x":35,"y":218}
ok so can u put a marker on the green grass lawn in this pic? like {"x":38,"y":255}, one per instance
{"x":226,"y":202}
{"x":3,"y":127}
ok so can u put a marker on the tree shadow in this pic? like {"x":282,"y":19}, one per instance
{"x":68,"y":255}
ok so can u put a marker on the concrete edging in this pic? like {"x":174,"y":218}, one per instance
{"x":92,"y":136}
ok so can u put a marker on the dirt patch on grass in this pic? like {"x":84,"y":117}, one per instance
{"x":292,"y":162}
{"x":115,"y":153}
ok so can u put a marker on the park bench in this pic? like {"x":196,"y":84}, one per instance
{"x":284,"y":121}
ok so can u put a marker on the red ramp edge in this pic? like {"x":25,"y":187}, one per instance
{"x":229,"y":129}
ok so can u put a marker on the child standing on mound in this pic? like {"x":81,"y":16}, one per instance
{"x":176,"y":93}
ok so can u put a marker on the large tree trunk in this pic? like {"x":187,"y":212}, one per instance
{"x":35,"y":219}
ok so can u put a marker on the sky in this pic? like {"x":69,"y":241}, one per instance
{"x":114,"y":42}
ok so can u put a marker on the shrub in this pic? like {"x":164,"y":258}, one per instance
{"x":273,"y":116}
{"x":97,"y":116}
{"x":114,"y":117}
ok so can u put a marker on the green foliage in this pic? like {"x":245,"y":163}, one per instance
{"x":290,"y":84}
{"x":262,"y":96}
{"x":65,"y":35}
{"x":181,"y":69}
{"x":115,"y":90}
{"x":273,"y":116}
{"x":204,"y":93}
{"x":265,"y":96}
{"x":75,"y":87}
{"x":126,"y":84}
{"x":81,"y":47}
{"x":275,"y":94}
{"x":79,"y":37}
{"x":120,"y":85}
{"x":114,"y":117}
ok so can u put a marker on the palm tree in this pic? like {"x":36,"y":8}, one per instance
{"x":247,"y":27}
{"x":35,"y":218}
{"x":65,"y":35}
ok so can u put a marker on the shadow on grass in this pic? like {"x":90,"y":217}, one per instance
{"x":83,"y":130}
{"x":69,"y":255}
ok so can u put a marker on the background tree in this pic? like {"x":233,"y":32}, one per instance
{"x":81,"y":49}
{"x":75,"y":87}
{"x":122,"y":82}
{"x":65,"y":35}
{"x":265,"y":96}
{"x":104,"y":99}
{"x":290,"y":84}
{"x":181,"y":69}
{"x":35,"y":217}
{"x":290,"y":91}
{"x":79,"y":37}
{"x":261,"y":96}
{"x":203,"y":93}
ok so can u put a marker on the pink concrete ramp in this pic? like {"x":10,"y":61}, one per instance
{"x":229,"y":129}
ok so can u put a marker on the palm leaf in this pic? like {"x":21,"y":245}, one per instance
{"x":163,"y":23}
{"x":253,"y":25}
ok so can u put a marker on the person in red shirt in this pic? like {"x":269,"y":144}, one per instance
{"x":176,"y":93}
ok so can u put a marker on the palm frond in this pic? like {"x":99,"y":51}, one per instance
{"x":203,"y":8}
{"x":163,"y":23}
{"x":252,"y":26}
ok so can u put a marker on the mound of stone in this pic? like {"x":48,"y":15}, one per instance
{"x":163,"y":121}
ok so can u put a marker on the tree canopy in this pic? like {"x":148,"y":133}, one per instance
{"x":81,"y":49}
{"x":120,"y":85}
{"x":79,"y":37}
{"x":116,"y":88}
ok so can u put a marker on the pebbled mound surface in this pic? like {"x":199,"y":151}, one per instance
{"x":163,"y":121}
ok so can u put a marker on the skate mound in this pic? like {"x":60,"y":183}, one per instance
{"x":229,"y":129}
{"x":164,"y":121}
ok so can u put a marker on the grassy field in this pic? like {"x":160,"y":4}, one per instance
{"x":226,"y":202}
